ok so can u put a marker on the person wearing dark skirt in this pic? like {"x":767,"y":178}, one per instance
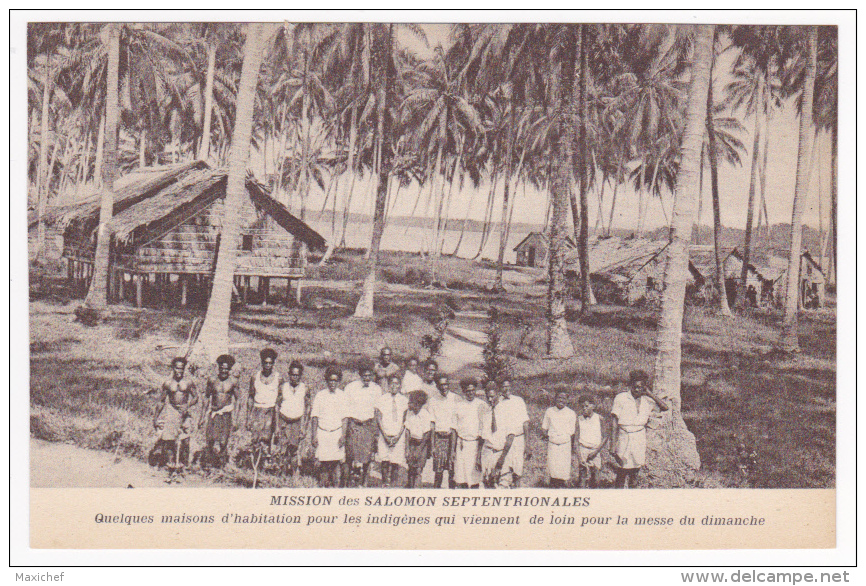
{"x":361,"y":396}
{"x":419,"y":429}
{"x":220,"y":401}
{"x":261,"y":404}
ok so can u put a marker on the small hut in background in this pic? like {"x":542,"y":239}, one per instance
{"x":532,"y":251}
{"x":627,"y":270}
{"x":813,"y":282}
{"x":166,"y":238}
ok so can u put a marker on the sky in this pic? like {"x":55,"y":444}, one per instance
{"x":530,"y":206}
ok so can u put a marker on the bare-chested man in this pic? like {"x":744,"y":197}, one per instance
{"x":173,"y":417}
{"x":220,"y":401}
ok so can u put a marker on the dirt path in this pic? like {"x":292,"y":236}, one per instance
{"x":57,"y":465}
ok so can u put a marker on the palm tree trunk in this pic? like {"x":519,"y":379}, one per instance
{"x":142,"y":149}
{"x":789,"y":338}
{"x":753,"y":184}
{"x":503,"y":227}
{"x":559,"y":343}
{"x":213,"y":340}
{"x":204,"y":144}
{"x":717,"y":214}
{"x":440,"y":173}
{"x":466,"y":217}
{"x":351,"y":167}
{"x":672,"y":456}
{"x":834,"y":137}
{"x":383,"y":70}
{"x":41,"y":178}
{"x":586,"y":294}
{"x":615,"y":188}
{"x":700,"y":202}
{"x":764,"y":183}
{"x":488,"y":213}
{"x":97,"y":296}
{"x":305,"y":122}
{"x":100,"y":152}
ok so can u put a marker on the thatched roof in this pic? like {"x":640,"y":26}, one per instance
{"x":622,"y":257}
{"x":144,"y":202}
{"x":568,"y":241}
{"x":128,"y":191}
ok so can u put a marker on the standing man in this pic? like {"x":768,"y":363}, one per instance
{"x":330,"y":420}
{"x":173,"y":418}
{"x":361,"y":396}
{"x":293,"y":406}
{"x":220,"y":400}
{"x":384,"y":367}
{"x":466,"y":436}
{"x":631,"y":412}
{"x":261,"y":404}
{"x":558,"y":430}
{"x":441,"y":407}
{"x":512,"y":414}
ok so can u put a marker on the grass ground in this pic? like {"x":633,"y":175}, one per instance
{"x":760,"y":419}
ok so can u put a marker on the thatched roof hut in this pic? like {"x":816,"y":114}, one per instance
{"x":167,"y":222}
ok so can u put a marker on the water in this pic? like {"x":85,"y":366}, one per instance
{"x":417,"y":239}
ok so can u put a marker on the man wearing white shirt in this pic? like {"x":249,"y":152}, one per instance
{"x":631,"y":412}
{"x":390,"y":411}
{"x":513,"y":414}
{"x":330,"y":421}
{"x":441,"y":407}
{"x":558,"y":430}
{"x":361,"y":397}
{"x":293,"y":408}
{"x":466,"y":436}
{"x":429,"y":370}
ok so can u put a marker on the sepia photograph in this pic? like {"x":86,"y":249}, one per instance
{"x":303,"y":255}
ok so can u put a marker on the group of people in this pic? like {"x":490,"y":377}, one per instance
{"x":401,"y":418}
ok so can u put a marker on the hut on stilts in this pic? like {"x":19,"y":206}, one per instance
{"x":166,"y":237}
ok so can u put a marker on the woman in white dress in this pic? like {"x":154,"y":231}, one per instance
{"x":330,"y":418}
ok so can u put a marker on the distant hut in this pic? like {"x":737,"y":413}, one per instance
{"x":812,"y":288}
{"x":627,"y":270}
{"x":532,"y":251}
{"x":166,"y":237}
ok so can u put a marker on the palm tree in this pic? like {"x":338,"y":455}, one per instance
{"x":789,"y":337}
{"x":672,"y":450}
{"x":214,"y":333}
{"x":712,"y":153}
{"x":97,"y":295}
{"x":755,"y":87}
{"x":383,"y":72}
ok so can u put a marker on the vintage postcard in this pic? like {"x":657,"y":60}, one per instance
{"x":433,"y":285}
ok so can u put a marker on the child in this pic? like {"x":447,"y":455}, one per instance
{"x":293,"y":407}
{"x":419,"y":426}
{"x":466,"y":436}
{"x":390,"y":414}
{"x":220,"y":399}
{"x":361,"y":396}
{"x":557,"y":429}
{"x":173,"y":418}
{"x":441,"y":408}
{"x":591,"y":437}
{"x":330,"y":416}
{"x":261,"y":404}
{"x":631,"y":412}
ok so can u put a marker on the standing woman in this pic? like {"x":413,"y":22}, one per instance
{"x":330,"y":421}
